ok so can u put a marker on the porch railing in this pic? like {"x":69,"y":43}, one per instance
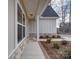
{"x":16,"y":53}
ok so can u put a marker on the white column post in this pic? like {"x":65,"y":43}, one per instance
{"x":37,"y":28}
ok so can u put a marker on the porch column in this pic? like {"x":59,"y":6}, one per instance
{"x":37,"y":28}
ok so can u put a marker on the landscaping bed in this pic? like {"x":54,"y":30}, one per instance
{"x":57,"y":49}
{"x":50,"y":36}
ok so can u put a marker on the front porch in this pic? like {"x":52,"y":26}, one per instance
{"x":26,"y":25}
{"x":32,"y":51}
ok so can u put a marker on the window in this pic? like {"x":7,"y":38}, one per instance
{"x":20,"y":24}
{"x":19,"y":14}
{"x":19,"y":33}
{"x":23,"y":19}
{"x":23,"y":31}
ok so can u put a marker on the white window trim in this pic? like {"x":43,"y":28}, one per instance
{"x":16,"y":22}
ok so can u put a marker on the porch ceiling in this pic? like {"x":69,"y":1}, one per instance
{"x":34,"y":7}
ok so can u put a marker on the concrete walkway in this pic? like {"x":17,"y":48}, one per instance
{"x":33,"y":51}
{"x":67,"y":37}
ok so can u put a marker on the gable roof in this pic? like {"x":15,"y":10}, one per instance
{"x":49,"y":12}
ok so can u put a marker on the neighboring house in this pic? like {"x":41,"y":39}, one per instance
{"x":47,"y":22}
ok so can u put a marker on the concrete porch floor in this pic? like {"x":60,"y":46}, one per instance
{"x":32,"y":51}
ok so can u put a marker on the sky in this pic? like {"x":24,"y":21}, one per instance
{"x":56,"y":5}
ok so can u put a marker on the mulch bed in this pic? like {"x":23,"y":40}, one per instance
{"x":54,"y":53}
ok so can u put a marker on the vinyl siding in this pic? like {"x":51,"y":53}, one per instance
{"x":47,"y":26}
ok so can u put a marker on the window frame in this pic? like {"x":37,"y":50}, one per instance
{"x":18,"y":23}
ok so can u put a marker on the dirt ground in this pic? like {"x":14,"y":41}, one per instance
{"x":54,"y":53}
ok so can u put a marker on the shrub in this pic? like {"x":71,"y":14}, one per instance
{"x":55,"y":45}
{"x":48,"y":41}
{"x":47,"y":36}
{"x":58,"y":36}
{"x":64,"y":42}
{"x":67,"y":55}
{"x":53,"y":36}
{"x":41,"y":37}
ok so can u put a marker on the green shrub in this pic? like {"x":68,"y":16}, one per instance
{"x":67,"y":55}
{"x":47,"y":36}
{"x":41,"y":37}
{"x":58,"y":36}
{"x":55,"y":45}
{"x":48,"y":41}
{"x":53,"y":36}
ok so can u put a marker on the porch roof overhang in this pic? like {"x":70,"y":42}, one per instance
{"x":34,"y":7}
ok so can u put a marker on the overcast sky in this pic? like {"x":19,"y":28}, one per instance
{"x":56,"y":5}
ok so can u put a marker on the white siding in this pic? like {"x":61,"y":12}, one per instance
{"x":47,"y":26}
{"x":11,"y":26}
{"x":32,"y":26}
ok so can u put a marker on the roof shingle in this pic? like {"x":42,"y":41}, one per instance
{"x":49,"y":12}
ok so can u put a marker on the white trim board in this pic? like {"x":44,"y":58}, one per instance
{"x":49,"y":18}
{"x":16,"y":22}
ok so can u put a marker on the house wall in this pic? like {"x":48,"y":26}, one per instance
{"x":32,"y":26}
{"x":32,"y":29}
{"x":11,"y":26}
{"x":47,"y":25}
